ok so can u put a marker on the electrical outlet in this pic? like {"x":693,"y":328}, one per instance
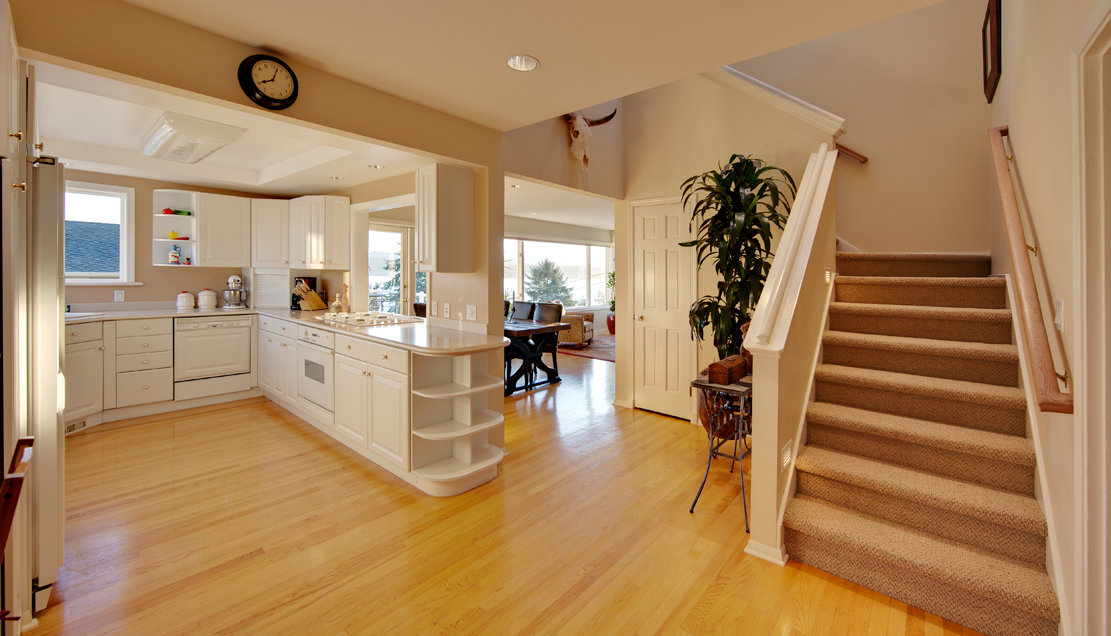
{"x":117,"y":296}
{"x":472,"y":312}
{"x":435,"y":311}
{"x":447,"y":310}
{"x":1059,"y":315}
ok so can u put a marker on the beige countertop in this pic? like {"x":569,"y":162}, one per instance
{"x":415,"y":337}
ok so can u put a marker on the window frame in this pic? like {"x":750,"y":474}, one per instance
{"x":610,"y":265}
{"x":127,"y":235}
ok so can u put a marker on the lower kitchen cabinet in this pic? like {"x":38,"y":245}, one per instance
{"x":84,"y":379}
{"x":372,"y":408}
{"x":278,"y":366}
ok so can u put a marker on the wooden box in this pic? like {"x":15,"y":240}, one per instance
{"x":729,"y":370}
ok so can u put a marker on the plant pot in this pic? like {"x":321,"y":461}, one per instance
{"x":611,"y":323}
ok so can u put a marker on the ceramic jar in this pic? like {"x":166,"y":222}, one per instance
{"x":206,"y":299}
{"x":185,"y":300}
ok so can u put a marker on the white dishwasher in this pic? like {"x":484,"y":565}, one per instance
{"x":212,"y":356}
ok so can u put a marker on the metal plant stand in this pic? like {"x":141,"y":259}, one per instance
{"x":729,"y":407}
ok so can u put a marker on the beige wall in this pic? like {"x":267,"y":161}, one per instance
{"x":397,"y":186}
{"x":528,"y":229}
{"x":542,"y":151}
{"x":910,"y":90}
{"x":158,"y":283}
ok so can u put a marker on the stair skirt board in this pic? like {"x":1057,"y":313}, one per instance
{"x":955,"y":604}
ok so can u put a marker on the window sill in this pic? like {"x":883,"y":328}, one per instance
{"x":93,"y":282}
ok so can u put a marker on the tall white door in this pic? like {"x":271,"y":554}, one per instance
{"x":663,"y":291}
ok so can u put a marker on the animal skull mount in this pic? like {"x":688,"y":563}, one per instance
{"x":579,"y":126}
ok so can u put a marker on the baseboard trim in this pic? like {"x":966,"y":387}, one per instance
{"x":628,"y":404}
{"x":157,"y":408}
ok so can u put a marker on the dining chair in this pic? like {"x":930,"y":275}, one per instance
{"x":522,"y":310}
{"x":550,"y":312}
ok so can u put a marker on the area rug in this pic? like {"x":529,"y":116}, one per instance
{"x":602,"y":348}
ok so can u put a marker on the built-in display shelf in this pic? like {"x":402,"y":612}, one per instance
{"x":170,"y":240}
{"x":453,"y":468}
{"x":454,"y":429}
{"x":453,"y":390}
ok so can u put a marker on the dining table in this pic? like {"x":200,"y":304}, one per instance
{"x":527,"y":341}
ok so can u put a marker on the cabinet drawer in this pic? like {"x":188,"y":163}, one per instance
{"x":373,"y":353}
{"x":86,"y":332}
{"x":145,"y":361}
{"x":149,"y":327}
{"x":144,"y":344}
{"x":278,"y":326}
{"x":144,"y":387}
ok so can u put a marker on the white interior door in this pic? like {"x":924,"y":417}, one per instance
{"x":663,"y":291}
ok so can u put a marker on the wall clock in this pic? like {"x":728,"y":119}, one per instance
{"x":268,"y":81}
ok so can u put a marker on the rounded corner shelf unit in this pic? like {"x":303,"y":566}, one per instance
{"x":454,"y":390}
{"x":454,"y":429}
{"x":452,"y":468}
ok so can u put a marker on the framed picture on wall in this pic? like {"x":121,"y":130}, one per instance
{"x":991,"y":35}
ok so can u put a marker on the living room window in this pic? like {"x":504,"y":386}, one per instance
{"x":100,"y":241}
{"x":573,"y":274}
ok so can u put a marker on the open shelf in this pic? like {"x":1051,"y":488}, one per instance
{"x":453,"y":390}
{"x":454,"y":429}
{"x":169,"y":240}
{"x":452,"y":468}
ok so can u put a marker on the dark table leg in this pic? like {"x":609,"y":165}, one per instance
{"x":524,"y":371}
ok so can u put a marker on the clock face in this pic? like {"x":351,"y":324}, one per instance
{"x":272,"y":79}
{"x":268,"y":82}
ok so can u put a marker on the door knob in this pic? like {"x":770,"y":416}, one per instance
{"x":640,"y":316}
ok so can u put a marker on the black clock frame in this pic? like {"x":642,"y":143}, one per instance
{"x":247,"y":83}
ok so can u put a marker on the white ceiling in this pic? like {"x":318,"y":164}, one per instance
{"x":450,"y":55}
{"x":98,"y":124}
{"x":546,"y":203}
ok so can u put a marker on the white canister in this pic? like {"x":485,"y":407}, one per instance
{"x":206,"y":299}
{"x":185,"y":300}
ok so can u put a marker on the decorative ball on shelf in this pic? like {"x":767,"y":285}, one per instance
{"x":172,"y":234}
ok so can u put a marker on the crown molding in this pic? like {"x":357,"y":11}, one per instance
{"x":807,"y":112}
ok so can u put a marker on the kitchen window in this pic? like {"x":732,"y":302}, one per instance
{"x":543,"y":271}
{"x":100,"y":234}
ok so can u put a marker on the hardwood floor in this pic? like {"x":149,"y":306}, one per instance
{"x":242,"y":519}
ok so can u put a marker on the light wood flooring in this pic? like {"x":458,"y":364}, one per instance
{"x":242,"y":519}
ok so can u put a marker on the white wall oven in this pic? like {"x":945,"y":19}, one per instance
{"x":314,"y":367}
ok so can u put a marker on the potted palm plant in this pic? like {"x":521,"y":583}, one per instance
{"x":735,"y":208}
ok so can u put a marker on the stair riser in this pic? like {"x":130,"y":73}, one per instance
{"x":923,"y":295}
{"x":979,"y":533}
{"x":984,"y":417}
{"x":986,"y":615}
{"x":923,"y":269}
{"x":932,"y":328}
{"x":989,"y":472}
{"x":968,"y":369}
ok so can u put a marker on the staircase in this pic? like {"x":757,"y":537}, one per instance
{"x":917,"y":479}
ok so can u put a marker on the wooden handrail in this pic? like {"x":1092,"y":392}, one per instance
{"x":849,"y":152}
{"x":1050,"y":398}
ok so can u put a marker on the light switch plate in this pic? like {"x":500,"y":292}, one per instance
{"x":117,"y":296}
{"x":435,"y":311}
{"x":472,"y":312}
{"x":447,"y":310}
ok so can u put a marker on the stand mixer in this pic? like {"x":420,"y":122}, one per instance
{"x":235,"y":297}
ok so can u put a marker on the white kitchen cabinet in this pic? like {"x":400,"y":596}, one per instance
{"x":351,"y":399}
{"x":224,"y":230}
{"x":372,"y":408}
{"x":284,"y":368}
{"x":270,"y":233}
{"x":445,"y":219}
{"x":84,"y":379}
{"x":337,"y":233}
{"x":265,"y":375}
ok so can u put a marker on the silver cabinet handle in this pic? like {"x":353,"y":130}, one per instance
{"x":146,"y":344}
{"x":146,"y":361}
{"x":146,"y":326}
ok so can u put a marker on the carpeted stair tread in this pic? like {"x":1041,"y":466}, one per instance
{"x":1007,"y":448}
{"x":969,"y":314}
{"x":1010,"y":582}
{"x":938,"y":265}
{"x":987,"y":282}
{"x":982,"y":292}
{"x":959,"y":390}
{"x":960,"y":497}
{"x":924,"y":346}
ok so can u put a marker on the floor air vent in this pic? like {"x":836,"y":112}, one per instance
{"x":76,"y":426}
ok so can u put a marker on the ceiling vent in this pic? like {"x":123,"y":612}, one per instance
{"x":186,"y":139}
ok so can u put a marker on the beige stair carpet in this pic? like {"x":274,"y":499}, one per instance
{"x":917,"y":479}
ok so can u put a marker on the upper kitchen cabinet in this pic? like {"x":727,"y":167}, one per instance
{"x":320,"y":232}
{"x":270,"y":233}
{"x":224,"y":230}
{"x":445,"y":219}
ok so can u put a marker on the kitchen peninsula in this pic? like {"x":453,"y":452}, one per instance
{"x":412,"y":398}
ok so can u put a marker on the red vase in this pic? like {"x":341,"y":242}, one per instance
{"x":611,"y":323}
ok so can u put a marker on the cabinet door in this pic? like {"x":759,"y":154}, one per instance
{"x":224,"y":226}
{"x":337,"y":225}
{"x":318,"y":220}
{"x":269,"y":233}
{"x":265,"y":376}
{"x":298,"y":233}
{"x":426,"y":219}
{"x":289,"y":368}
{"x":389,"y":416}
{"x":351,"y":399}
{"x":84,"y":380}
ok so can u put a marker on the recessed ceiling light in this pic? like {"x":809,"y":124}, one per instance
{"x":336,"y":178}
{"x":514,"y":186}
{"x":534,"y":213}
{"x":375,"y":166}
{"x":523,"y":63}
